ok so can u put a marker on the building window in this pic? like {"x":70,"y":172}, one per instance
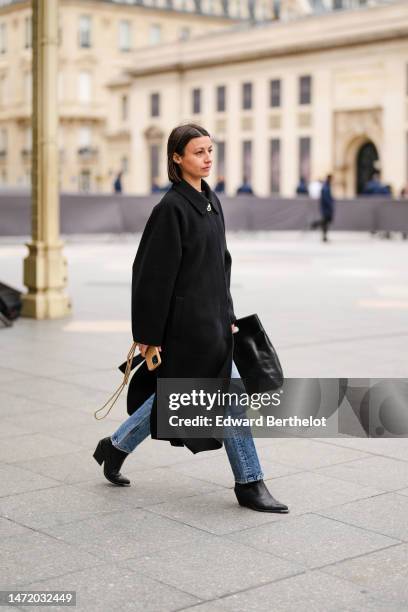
{"x":3,"y":90}
{"x":154,"y":164}
{"x":196,"y":101}
{"x":27,"y":178}
{"x":28,"y":87}
{"x":28,"y":32}
{"x":4,"y":180}
{"x":220,"y":159}
{"x":125,"y":35}
{"x":154,"y":105}
{"x":184,"y":33}
{"x":85,"y":31}
{"x":275,"y":93}
{"x":85,"y":181}
{"x":28,"y":138}
{"x":305,"y":90}
{"x":247,"y":96}
{"x":3,"y":38}
{"x":247,"y":161}
{"x":125,"y":108}
{"x":305,"y":145}
{"x":275,"y":161}
{"x":60,"y":86}
{"x":221,"y":98}
{"x":155,"y":34}
{"x":124,"y":162}
{"x":406,"y":75}
{"x":85,"y":137}
{"x":84,"y":86}
{"x":3,"y":142}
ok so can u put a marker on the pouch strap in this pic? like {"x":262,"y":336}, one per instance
{"x":114,"y":397}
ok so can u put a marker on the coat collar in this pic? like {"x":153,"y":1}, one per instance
{"x":198,"y":200}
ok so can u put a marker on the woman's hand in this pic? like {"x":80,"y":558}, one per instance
{"x":143,"y":348}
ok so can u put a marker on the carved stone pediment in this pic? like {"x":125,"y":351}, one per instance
{"x":153,"y":133}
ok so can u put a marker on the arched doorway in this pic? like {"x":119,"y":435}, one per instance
{"x":367,"y":157}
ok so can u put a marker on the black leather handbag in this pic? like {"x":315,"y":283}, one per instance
{"x":257,"y":361}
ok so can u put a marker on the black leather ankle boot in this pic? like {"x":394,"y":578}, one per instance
{"x":112,"y":459}
{"x":255,"y":495}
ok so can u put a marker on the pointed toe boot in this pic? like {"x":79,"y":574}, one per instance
{"x":255,"y":495}
{"x":112,"y":459}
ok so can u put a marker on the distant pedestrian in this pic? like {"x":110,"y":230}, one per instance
{"x":155,"y":186}
{"x":220,"y":186}
{"x":375,"y":187}
{"x":302,"y":188}
{"x":117,"y":185}
{"x":326,"y":208}
{"x":245,"y":188}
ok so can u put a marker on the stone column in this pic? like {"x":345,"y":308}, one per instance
{"x":45,"y":268}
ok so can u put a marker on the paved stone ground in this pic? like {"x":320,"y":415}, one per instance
{"x":176,"y":539}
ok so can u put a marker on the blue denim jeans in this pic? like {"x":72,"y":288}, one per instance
{"x":240,"y":447}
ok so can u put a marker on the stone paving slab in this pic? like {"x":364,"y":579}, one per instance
{"x":383,"y":472}
{"x":51,"y":418}
{"x":312,"y":541}
{"x":306,"y":592}
{"x":385,"y":514}
{"x":58,"y":505}
{"x":150,"y":487}
{"x":396,"y":448}
{"x":308,"y":454}
{"x":216,"y":512}
{"x":8,"y":375}
{"x":33,"y":556}
{"x":68,"y":468}
{"x":15,"y":479}
{"x":63,"y":394}
{"x":377,"y":572}
{"x":115,"y":588}
{"x":310,"y":492}
{"x":23,"y":447}
{"x":102,"y":380}
{"x":233,"y":567}
{"x":138,"y":532}
{"x":9,"y":528}
{"x":12,"y":405}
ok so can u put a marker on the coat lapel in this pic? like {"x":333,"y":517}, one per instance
{"x":198,"y":200}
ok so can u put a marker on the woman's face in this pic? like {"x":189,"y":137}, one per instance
{"x":197,"y":158}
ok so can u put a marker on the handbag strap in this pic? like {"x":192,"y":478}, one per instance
{"x":114,"y":397}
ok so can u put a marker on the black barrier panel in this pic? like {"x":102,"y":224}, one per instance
{"x":111,"y":213}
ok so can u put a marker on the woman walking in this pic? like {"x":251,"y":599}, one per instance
{"x":181,"y":304}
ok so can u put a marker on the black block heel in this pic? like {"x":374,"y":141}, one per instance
{"x":98,"y":454}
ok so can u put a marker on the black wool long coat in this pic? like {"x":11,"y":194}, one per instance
{"x":181,"y":297}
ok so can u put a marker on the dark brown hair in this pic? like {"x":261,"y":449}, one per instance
{"x":179,"y":137}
